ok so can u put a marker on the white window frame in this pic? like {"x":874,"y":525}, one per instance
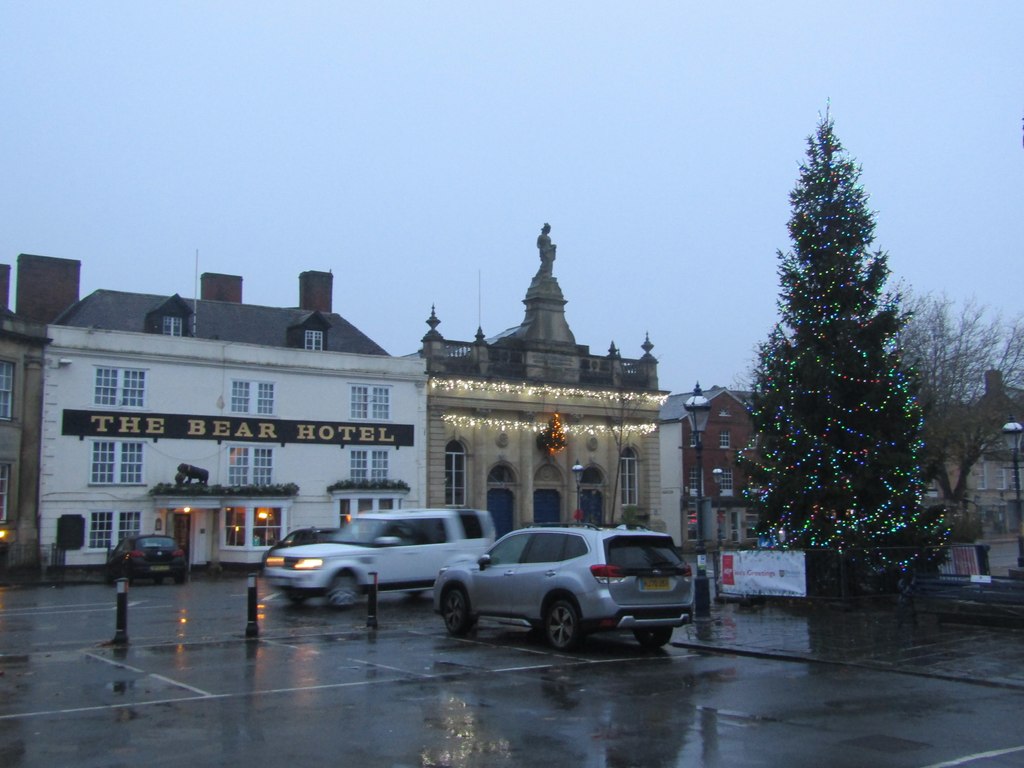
{"x":370,"y":465}
{"x":370,"y":402}
{"x":254,"y":398}
{"x":724,"y":439}
{"x":249,"y":511}
{"x":172,"y":325}
{"x":102,"y":537}
{"x":6,"y":390}
{"x":5,"y":490}
{"x":125,"y":458}
{"x":455,"y":475}
{"x":725,"y":482}
{"x":313,"y":340}
{"x":693,"y":481}
{"x":119,"y":387}
{"x":629,"y":470}
{"x":250,"y":465}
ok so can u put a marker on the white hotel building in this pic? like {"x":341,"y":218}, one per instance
{"x":292,"y":417}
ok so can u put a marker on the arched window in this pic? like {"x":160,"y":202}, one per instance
{"x":454,"y":474}
{"x":500,"y":475}
{"x":628,"y":471}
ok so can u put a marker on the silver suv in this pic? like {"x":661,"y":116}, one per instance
{"x":404,"y":549}
{"x":571,"y":581}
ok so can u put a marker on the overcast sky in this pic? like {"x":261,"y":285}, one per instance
{"x":415,"y":149}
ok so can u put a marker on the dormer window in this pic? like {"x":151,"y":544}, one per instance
{"x":314,"y":340}
{"x":170,"y":317}
{"x":310,"y":333}
{"x":172,"y":325}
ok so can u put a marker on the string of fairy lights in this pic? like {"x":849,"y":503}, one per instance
{"x":546,"y":394}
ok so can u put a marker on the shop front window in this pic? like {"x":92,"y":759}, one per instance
{"x":248,"y":527}
{"x":234,"y":526}
{"x":266,"y":526}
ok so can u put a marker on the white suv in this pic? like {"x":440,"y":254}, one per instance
{"x":405,"y":549}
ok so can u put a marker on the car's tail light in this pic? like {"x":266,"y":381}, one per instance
{"x":137,"y":554}
{"x":607,"y":574}
{"x":178,"y":553}
{"x":686,"y":570}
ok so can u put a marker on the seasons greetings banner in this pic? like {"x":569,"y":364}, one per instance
{"x":764,"y":572}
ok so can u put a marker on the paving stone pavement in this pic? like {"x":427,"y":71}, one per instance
{"x":866,"y":635}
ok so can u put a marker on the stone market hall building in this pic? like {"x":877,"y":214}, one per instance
{"x":510,"y":417}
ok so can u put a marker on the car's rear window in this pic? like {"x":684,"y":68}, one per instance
{"x":155,"y":542}
{"x":471,"y":525}
{"x":641,"y":551}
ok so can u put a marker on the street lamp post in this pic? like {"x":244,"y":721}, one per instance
{"x":1012,"y":433}
{"x":717,"y":473}
{"x":577,"y":472}
{"x":698,"y":408}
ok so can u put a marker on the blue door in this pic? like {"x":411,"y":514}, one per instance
{"x":592,"y":503}
{"x":499,"y":504}
{"x":547,"y":506}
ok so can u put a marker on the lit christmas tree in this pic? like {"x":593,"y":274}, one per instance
{"x":552,"y":439}
{"x":836,"y":412}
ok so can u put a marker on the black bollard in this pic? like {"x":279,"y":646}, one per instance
{"x":252,"y":629}
{"x":121,"y":631}
{"x":371,"y":602}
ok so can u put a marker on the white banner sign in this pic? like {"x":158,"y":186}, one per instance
{"x":764,"y":572}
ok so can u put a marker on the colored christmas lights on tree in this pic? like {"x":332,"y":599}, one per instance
{"x":836,"y":411}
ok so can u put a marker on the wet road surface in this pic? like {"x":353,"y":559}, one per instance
{"x":319,"y":688}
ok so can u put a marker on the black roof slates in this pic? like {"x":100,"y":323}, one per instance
{"x":222,"y":320}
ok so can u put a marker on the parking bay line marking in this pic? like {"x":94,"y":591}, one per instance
{"x":154,"y":675}
{"x":975,"y":757}
{"x":241,"y":694}
{"x":65,"y":609}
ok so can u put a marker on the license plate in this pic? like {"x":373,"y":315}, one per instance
{"x":654,"y":584}
{"x":160,"y":568}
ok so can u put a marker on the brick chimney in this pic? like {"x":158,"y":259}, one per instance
{"x":46,"y":286}
{"x":993,"y":382}
{"x":316,"y":291}
{"x":217,"y":287}
{"x":5,"y":287}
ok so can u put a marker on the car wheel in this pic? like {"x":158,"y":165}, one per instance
{"x":179,"y":579}
{"x":562,"y":626}
{"x":343,"y":591}
{"x":455,"y":611}
{"x":654,"y":637}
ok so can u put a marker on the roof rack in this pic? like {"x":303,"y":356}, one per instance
{"x":592,"y":526}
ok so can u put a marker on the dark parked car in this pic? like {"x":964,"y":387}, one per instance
{"x":149,"y":556}
{"x":301,"y":536}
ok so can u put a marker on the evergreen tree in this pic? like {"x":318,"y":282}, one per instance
{"x":836,"y":413}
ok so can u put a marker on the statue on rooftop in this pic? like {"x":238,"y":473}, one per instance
{"x":547,"y":251}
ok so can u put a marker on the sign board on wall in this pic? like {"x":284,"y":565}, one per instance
{"x":178,"y":426}
{"x":780,"y":572}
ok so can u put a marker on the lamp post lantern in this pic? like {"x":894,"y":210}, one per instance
{"x":1012,"y":433}
{"x":698,"y":408}
{"x":577,"y":472}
